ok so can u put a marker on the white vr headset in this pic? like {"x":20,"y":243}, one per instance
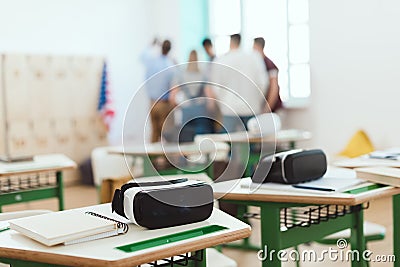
{"x":164,"y":203}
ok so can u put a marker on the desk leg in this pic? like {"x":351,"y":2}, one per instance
{"x":270,"y":235}
{"x":396,"y":230}
{"x":357,"y":238}
{"x":148,"y":168}
{"x":292,"y":144}
{"x":254,"y":158}
{"x":210,"y":167}
{"x":242,"y":210}
{"x":60,"y":188}
{"x":240,"y":156}
{"x":200,"y":257}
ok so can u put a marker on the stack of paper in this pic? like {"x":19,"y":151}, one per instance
{"x":381,"y":175}
{"x":379,"y":158}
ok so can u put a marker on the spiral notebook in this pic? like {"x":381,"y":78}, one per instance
{"x":67,"y":227}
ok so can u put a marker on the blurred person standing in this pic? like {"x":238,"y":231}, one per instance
{"x":158,"y":84}
{"x":239,"y":81}
{"x":273,"y":98}
{"x":192,"y":96}
{"x":243,"y":81}
{"x":208,"y":47}
{"x":151,"y":52}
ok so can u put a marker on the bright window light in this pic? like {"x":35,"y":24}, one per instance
{"x":300,"y":80}
{"x":298,"y":11}
{"x":284,"y":26}
{"x":299,"y":42}
{"x":224,"y":17}
{"x":221,"y":44}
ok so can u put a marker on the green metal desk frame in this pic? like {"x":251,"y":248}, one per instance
{"x":274,"y":238}
{"x":250,"y":161}
{"x":38,"y":193}
{"x":200,"y":261}
{"x":149,"y":170}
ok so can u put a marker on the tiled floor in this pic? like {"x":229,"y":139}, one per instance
{"x":380,"y":211}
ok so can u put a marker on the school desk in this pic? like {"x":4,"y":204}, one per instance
{"x":267,"y":144}
{"x":176,"y":154}
{"x":292,"y":217}
{"x":40,"y":178}
{"x":289,"y":136}
{"x":19,"y":250}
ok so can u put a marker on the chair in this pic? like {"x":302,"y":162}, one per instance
{"x":372,"y":232}
{"x":105,"y":165}
{"x":221,"y":148}
{"x":358,"y":145}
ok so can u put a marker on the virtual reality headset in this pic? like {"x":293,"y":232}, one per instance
{"x":291,"y":167}
{"x":164,"y":203}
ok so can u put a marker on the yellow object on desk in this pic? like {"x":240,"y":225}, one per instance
{"x":358,"y":145}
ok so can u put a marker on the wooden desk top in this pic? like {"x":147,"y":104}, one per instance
{"x":291,"y":135}
{"x":102,"y":252}
{"x":191,"y":176}
{"x":240,"y":189}
{"x":40,"y":163}
{"x":159,"y":149}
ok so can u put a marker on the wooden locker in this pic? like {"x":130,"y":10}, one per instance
{"x":51,"y":105}
{"x":61,"y":88}
{"x":42,"y":138}
{"x":17,"y":90}
{"x":38,"y":78}
{"x":20,"y":138}
{"x":62,"y":131}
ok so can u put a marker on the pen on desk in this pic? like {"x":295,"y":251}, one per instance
{"x":4,"y":229}
{"x":387,"y":157}
{"x":314,"y":188}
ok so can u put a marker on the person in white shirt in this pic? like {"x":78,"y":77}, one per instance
{"x":240,"y":83}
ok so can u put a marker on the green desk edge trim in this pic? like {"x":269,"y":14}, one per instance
{"x":158,"y":241}
{"x":364,"y":189}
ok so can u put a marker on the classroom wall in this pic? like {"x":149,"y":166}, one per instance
{"x":354,"y":73}
{"x":185,"y":23}
{"x":354,"y":57}
{"x":118,"y":30}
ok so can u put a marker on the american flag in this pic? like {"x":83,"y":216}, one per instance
{"x":105,"y":107}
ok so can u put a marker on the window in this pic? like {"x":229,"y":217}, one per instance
{"x":284,"y":26}
{"x":225,"y":19}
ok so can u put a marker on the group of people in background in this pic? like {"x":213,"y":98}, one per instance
{"x":210,"y":97}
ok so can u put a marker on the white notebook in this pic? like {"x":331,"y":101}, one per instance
{"x":325,"y":185}
{"x":330,"y":184}
{"x":68,"y":227}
